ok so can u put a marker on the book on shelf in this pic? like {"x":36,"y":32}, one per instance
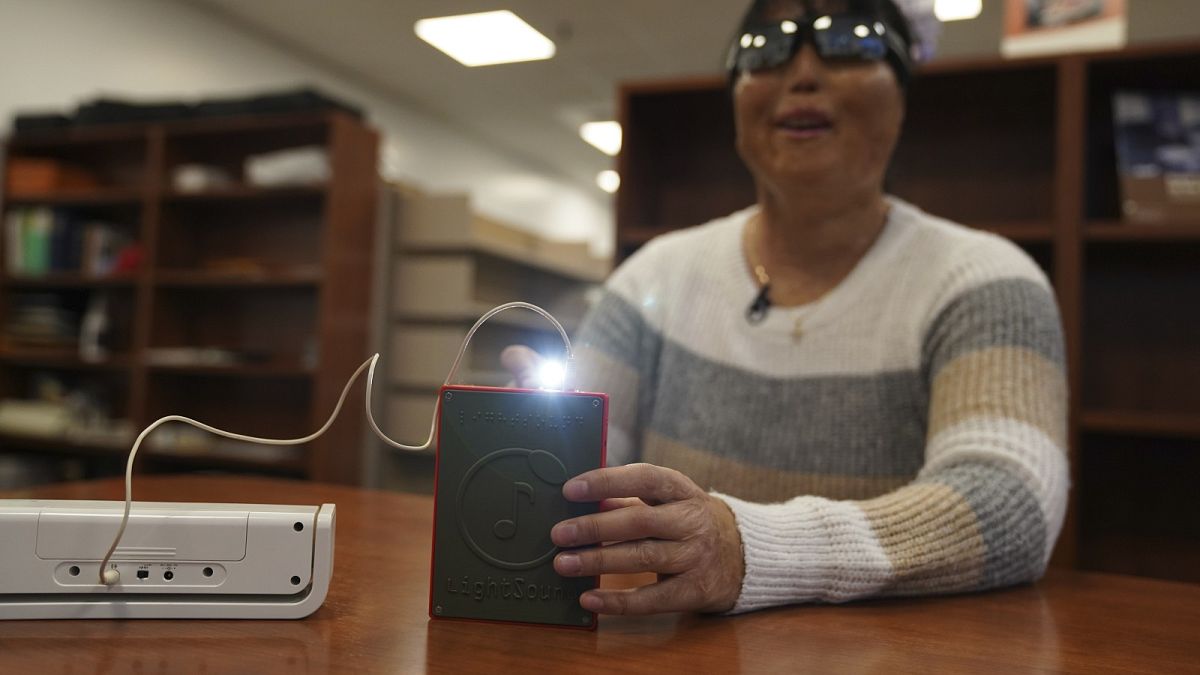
{"x":42,"y":240}
{"x":1158,"y":155}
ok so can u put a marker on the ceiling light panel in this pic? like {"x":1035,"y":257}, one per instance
{"x":957,"y":10}
{"x":485,"y":39}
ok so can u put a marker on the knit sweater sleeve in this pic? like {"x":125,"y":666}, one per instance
{"x":987,"y":506}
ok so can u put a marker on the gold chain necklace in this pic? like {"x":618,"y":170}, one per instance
{"x":757,"y":311}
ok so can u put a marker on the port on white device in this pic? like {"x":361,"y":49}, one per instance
{"x":176,"y":560}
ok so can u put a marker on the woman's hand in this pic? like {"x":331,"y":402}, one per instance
{"x":659,"y":521}
{"x":523,"y":364}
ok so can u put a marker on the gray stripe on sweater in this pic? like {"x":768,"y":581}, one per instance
{"x":617,"y":328}
{"x":878,"y":429}
{"x":1002,"y":313}
{"x":1010,"y":520}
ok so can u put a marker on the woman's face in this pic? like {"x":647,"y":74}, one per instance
{"x":808,"y":123}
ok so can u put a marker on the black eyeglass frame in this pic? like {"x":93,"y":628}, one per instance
{"x":836,"y":37}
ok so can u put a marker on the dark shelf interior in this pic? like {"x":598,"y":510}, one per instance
{"x":944,"y":165}
{"x":1135,"y":499}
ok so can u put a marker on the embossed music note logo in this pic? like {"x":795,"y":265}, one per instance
{"x":506,"y":529}
{"x":510,"y":533}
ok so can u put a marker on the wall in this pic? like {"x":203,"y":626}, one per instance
{"x":56,"y":53}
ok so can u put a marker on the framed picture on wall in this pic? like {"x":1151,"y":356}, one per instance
{"x":1035,"y":27}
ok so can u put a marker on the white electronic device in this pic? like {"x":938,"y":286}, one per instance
{"x":175,"y":560}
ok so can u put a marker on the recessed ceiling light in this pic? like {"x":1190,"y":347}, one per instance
{"x":605,"y":136}
{"x":957,"y":10}
{"x":609,"y":181}
{"x":486,"y":38}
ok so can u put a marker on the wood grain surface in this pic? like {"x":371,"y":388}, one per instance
{"x":375,"y":621}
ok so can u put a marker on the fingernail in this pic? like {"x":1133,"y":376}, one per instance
{"x":591,"y":602}
{"x":575,"y":490}
{"x":564,"y":534}
{"x":568,"y":563}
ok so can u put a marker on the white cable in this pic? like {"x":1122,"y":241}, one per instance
{"x":111,"y":577}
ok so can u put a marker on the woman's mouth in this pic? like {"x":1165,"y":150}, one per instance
{"x":803,"y":123}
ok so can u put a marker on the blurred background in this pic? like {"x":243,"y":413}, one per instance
{"x":219,"y":208}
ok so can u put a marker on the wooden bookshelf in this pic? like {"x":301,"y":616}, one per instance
{"x":1023,"y":148}
{"x":279,"y":274}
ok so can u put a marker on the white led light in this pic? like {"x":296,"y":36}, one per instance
{"x":747,"y":40}
{"x":551,"y":375}
{"x":862,"y":31}
{"x":879,"y":28}
{"x":823,"y":23}
{"x":604,"y":136}
{"x":789,"y":27}
{"x":486,"y":38}
{"x":609,"y":181}
{"x":957,"y":10}
{"x":760,"y":40}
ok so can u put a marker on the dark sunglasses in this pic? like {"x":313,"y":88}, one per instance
{"x":837,"y":37}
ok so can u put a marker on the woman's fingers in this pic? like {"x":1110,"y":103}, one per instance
{"x":627,"y":524}
{"x":522,"y":363}
{"x":653,"y":484}
{"x":673,"y":594}
{"x":643,"y":555}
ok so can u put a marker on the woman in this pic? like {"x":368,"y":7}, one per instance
{"x":833,"y":394}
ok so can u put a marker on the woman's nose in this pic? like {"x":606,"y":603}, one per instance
{"x":804,"y":71}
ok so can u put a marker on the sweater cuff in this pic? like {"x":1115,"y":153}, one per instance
{"x":808,"y":549}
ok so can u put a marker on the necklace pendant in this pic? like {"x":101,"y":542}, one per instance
{"x":798,"y":330}
{"x":757,"y":311}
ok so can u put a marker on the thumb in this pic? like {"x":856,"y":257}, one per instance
{"x":523,"y":363}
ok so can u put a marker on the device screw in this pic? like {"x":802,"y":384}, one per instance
{"x":449,"y":396}
{"x":438,"y":610}
{"x":595,"y":403}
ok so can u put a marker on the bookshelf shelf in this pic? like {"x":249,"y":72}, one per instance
{"x":205,"y":279}
{"x":61,"y":445}
{"x":69,"y":280}
{"x":243,"y":193}
{"x":278,"y":273}
{"x":247,"y":370}
{"x":60,"y":358}
{"x":1117,"y":231}
{"x":1024,"y":148}
{"x":112,"y":197}
{"x":1136,"y":422}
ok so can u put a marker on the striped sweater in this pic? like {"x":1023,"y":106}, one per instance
{"x":908,"y":439}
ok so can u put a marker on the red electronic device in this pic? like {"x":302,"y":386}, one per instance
{"x":503,"y":456}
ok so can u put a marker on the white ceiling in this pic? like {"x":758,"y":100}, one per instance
{"x":528,"y":109}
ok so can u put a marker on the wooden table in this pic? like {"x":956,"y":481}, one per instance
{"x":374,"y":619}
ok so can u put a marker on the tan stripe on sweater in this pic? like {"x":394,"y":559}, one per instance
{"x":931,"y":536}
{"x":761,"y":484}
{"x":1007,"y":382}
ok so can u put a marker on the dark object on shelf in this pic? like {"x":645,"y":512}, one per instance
{"x":38,"y":175}
{"x":115,"y":111}
{"x":305,"y":100}
{"x":1158,"y":155}
{"x":38,"y":122}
